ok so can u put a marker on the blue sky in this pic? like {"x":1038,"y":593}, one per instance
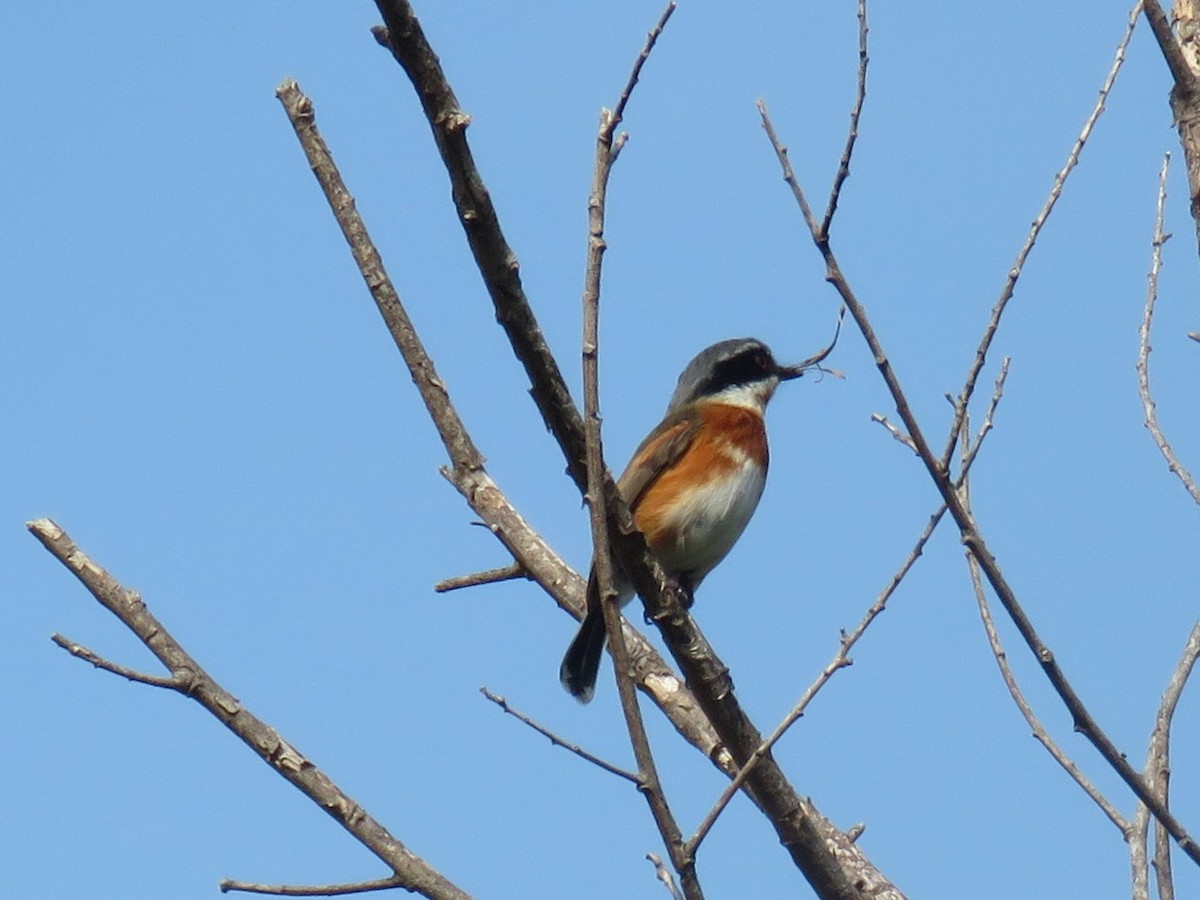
{"x":196,"y":386}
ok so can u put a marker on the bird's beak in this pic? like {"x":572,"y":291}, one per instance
{"x":787,"y":373}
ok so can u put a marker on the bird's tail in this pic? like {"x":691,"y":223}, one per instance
{"x":582,"y":661}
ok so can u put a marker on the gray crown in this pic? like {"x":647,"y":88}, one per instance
{"x":724,"y":364}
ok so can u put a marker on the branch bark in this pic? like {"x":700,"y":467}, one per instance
{"x":1185,"y":92}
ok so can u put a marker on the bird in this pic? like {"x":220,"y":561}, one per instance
{"x":692,"y":484}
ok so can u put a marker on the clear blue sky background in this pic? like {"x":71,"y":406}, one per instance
{"x":196,"y":385}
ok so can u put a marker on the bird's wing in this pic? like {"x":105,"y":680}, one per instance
{"x":656,"y":453}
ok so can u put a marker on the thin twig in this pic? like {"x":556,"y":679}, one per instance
{"x":1035,"y":229}
{"x":324,"y":890}
{"x":413,"y":872}
{"x":602,"y":559}
{"x":487,"y":576}
{"x":985,"y":613}
{"x":989,"y":417}
{"x":554,"y":739}
{"x":635,"y":73}
{"x":663,"y":874}
{"x":894,"y":431}
{"x":1143,"y":362}
{"x":81,"y":652}
{"x":1039,"y":732}
{"x":860,"y":96}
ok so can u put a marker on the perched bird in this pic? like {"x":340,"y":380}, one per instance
{"x":693,"y":483}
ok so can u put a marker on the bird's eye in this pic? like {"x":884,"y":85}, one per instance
{"x":760,"y":360}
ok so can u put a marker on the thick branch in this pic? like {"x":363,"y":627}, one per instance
{"x":1185,"y":97}
{"x":496,"y":260}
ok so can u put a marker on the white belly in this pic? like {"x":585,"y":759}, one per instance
{"x":710,"y":520}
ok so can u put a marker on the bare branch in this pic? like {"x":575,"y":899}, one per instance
{"x":468,"y":473}
{"x":1160,"y":26}
{"x":324,"y":890}
{"x":860,"y":96}
{"x":1014,"y":272}
{"x":663,"y":874}
{"x":602,"y":560}
{"x":652,"y":37}
{"x":1039,"y":732}
{"x":410,"y":870}
{"x":496,"y":260}
{"x":1138,"y":857}
{"x":81,"y":652}
{"x":894,"y":431}
{"x":497,"y":265}
{"x":1143,"y":363}
{"x":487,"y":576}
{"x":554,"y":739}
{"x":989,"y":418}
